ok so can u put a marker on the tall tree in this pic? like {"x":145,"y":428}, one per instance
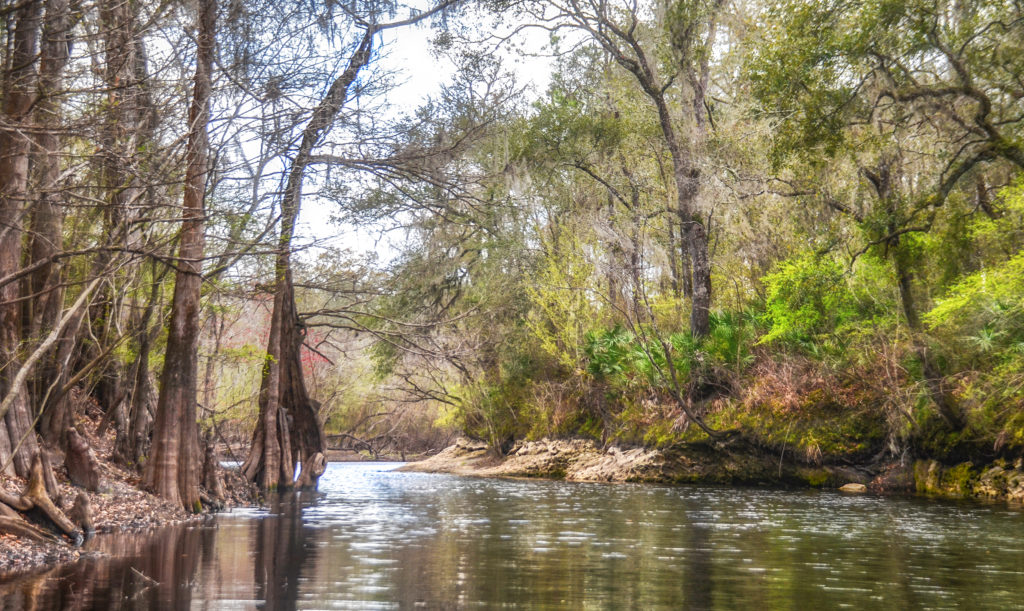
{"x":126,"y":134}
{"x":289,"y":430}
{"x":623,"y":172}
{"x":17,"y":440}
{"x":45,"y":294}
{"x":174,"y":464}
{"x":678,"y":90}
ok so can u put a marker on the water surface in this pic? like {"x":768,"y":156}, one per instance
{"x":377,"y":539}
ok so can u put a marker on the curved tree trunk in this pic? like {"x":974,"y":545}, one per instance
{"x":173,"y":468}
{"x":289,"y":429}
{"x":36,"y":504}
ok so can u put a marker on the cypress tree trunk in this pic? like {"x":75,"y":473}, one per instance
{"x":17,"y":440}
{"x":289,"y":430}
{"x":173,"y":468}
{"x":46,"y":297}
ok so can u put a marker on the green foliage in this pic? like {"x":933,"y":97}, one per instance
{"x":492,"y":408}
{"x":632,"y":365}
{"x":797,"y":71}
{"x":557,"y":308}
{"x":608,"y":352}
{"x":561,"y":306}
{"x":568,"y":127}
{"x":977,"y":327}
{"x":731,"y":338}
{"x":687,"y":22}
{"x":999,"y":234}
{"x":807,"y":296}
{"x":814,"y":59}
{"x":984,"y":312}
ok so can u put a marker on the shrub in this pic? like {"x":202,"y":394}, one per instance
{"x":807,"y":296}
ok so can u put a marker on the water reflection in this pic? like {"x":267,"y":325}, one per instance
{"x":281,"y":552}
{"x":376,"y":539}
{"x":147,"y":573}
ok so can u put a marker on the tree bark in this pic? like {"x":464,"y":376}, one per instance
{"x":132,"y":444}
{"x":628,"y":51}
{"x":36,"y":504}
{"x":127,"y":131}
{"x":172,"y":471}
{"x":289,"y":429}
{"x":35,"y":493}
{"x":686,"y":175}
{"x":212,"y":479}
{"x":129,"y":123}
{"x":83,"y":470}
{"x":81,"y":514}
{"x":15,"y":525}
{"x":17,"y":442}
{"x":46,"y":220}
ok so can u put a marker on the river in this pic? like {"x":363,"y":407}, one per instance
{"x":373,"y":538}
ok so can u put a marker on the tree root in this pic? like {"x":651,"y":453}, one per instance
{"x":313,"y":467}
{"x":18,"y":527}
{"x":34,"y":502}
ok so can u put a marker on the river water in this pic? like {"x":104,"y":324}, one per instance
{"x":373,"y":538}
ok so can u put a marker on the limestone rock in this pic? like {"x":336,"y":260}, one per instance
{"x":992,"y":483}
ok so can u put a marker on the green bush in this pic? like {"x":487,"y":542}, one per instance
{"x":608,"y":352}
{"x":807,"y":296}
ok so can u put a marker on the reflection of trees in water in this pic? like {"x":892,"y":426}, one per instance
{"x":698,"y":584}
{"x":281,"y":552}
{"x":556,"y":547}
{"x":161,"y":571}
{"x":134,"y":572}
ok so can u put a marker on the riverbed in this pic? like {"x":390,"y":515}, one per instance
{"x":373,"y":538}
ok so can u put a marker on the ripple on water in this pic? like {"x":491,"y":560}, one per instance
{"x":377,"y":539}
